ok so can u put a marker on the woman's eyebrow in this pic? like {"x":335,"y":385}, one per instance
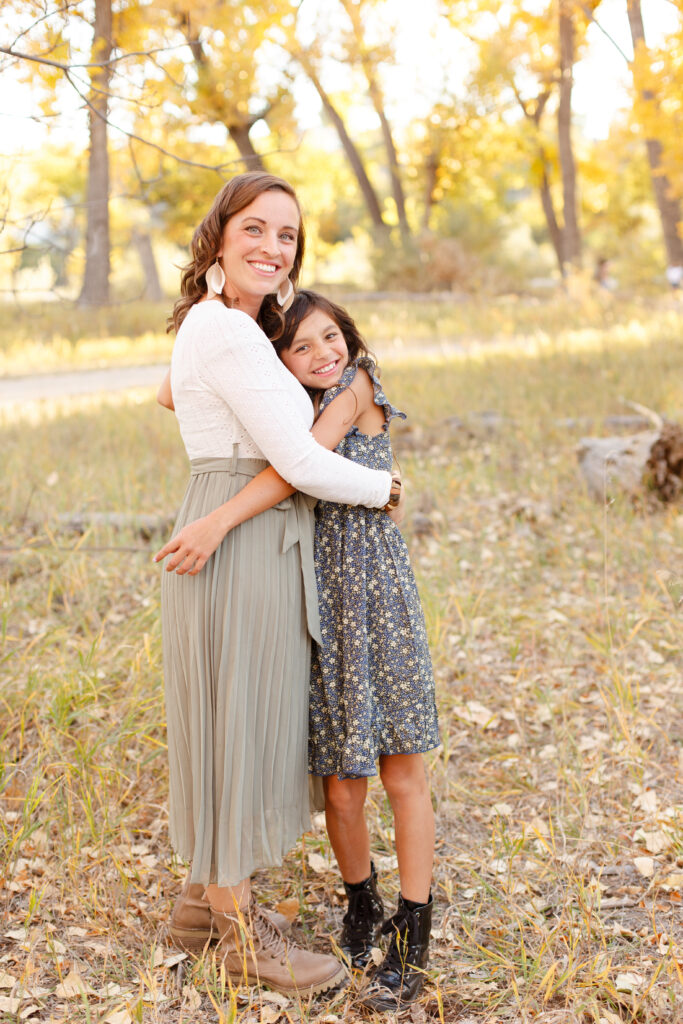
{"x":260,"y":220}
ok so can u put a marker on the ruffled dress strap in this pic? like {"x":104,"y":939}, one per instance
{"x":347,"y":378}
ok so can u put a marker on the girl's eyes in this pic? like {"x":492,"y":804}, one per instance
{"x":288,"y":236}
{"x":300,"y":348}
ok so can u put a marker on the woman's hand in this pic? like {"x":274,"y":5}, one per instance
{"x":194,"y":545}
{"x":398,"y":514}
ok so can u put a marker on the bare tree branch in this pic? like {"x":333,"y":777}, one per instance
{"x":104,"y":64}
{"x":73,"y":82}
{"x":591,"y":17}
{"x":147,"y":142}
{"x":48,"y":14}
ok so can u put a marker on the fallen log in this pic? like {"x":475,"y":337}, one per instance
{"x":648,"y":461}
{"x":665,"y":464}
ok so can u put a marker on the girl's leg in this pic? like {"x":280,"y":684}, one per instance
{"x":399,"y":979}
{"x":406,"y":785}
{"x":346,"y":827}
{"x":344,"y":804}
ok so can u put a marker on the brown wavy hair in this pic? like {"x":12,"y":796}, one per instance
{"x":206,"y":241}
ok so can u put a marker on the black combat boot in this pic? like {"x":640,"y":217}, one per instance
{"x":400,"y":977}
{"x":362,"y":921}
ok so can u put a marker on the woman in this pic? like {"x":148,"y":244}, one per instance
{"x":236,"y":637}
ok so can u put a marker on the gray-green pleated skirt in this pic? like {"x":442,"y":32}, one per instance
{"x":236,"y":646}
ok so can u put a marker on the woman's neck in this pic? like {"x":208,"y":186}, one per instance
{"x":252,"y":309}
{"x":250,"y":305}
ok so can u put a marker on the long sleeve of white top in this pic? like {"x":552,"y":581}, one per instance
{"x":235,"y":359}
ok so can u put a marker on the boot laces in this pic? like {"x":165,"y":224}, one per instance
{"x":269,"y":935}
{"x":404,"y":929}
{"x":362,"y":909}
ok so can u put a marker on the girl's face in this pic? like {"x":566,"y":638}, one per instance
{"x":318,"y":355}
{"x":259,"y":246}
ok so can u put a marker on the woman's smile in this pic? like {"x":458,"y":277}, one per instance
{"x":259,"y":247}
{"x":265,"y":268}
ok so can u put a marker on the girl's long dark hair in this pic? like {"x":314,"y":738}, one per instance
{"x":235,"y":195}
{"x":304,"y":303}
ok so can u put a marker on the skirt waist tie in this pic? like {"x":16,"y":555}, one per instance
{"x":299,"y":524}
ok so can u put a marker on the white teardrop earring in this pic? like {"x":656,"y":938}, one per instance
{"x":285,"y":300}
{"x":215,"y":280}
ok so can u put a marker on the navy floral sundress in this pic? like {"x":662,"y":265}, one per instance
{"x":372,"y":685}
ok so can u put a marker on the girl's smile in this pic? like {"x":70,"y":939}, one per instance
{"x":318,"y":355}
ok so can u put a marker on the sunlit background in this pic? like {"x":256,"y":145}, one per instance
{"x":446,"y":91}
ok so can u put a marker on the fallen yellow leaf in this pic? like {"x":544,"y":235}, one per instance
{"x":654,"y":841}
{"x":118,"y":1017}
{"x":629,"y":981}
{"x":191,"y":997}
{"x":645,"y":866}
{"x":72,"y":986}
{"x":318,"y":863}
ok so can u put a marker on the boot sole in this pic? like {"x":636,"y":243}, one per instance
{"x":303,"y":990}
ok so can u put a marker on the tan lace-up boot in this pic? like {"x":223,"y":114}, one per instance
{"x":254,"y":951}
{"x":190,"y":927}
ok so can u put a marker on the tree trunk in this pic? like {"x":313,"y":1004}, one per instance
{"x":95,"y":290}
{"x":534,"y":115}
{"x":551,"y":220}
{"x":239,"y":133}
{"x":431,"y":172}
{"x":571,"y":238}
{"x":354,"y":13}
{"x":669,"y":208}
{"x":392,"y":156}
{"x":143,"y":244}
{"x":352,"y":154}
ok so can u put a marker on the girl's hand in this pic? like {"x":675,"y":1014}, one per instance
{"x":164,"y":394}
{"x":193,"y":546}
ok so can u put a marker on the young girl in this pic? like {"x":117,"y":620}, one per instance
{"x":372,"y":688}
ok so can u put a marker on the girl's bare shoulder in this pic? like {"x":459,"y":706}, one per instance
{"x":362,"y":385}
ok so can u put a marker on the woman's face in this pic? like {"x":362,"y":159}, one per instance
{"x":318,"y":355}
{"x":259,"y":247}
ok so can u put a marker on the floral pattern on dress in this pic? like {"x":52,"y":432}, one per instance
{"x":372,"y":685}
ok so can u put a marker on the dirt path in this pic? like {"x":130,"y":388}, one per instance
{"x":68,"y":384}
{"x":33,"y":387}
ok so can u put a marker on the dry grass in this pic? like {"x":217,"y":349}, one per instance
{"x":57,"y":336}
{"x":555,"y":626}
